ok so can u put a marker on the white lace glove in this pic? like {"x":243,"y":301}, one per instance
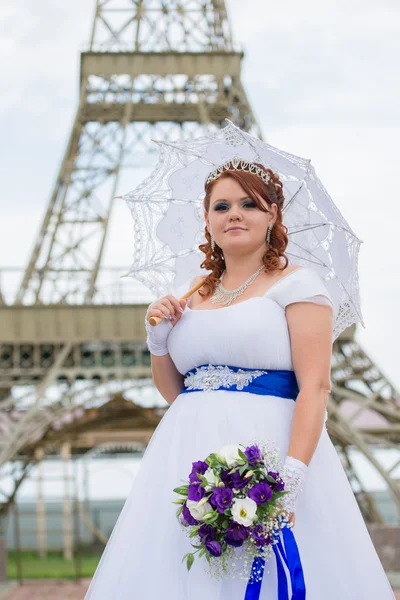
{"x":157,"y":336}
{"x":293,"y":473}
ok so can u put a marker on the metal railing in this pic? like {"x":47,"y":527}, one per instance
{"x":111,"y":287}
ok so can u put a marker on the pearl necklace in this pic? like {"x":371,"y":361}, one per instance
{"x":223,"y":296}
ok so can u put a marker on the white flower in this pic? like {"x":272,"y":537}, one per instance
{"x":212,"y":479}
{"x":197,"y":511}
{"x":230,"y":454}
{"x":244,"y":511}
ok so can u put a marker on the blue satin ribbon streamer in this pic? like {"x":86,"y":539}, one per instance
{"x":275,"y":382}
{"x":290,"y":554}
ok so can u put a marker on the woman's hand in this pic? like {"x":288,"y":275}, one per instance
{"x":290,"y":517}
{"x":167,"y":307}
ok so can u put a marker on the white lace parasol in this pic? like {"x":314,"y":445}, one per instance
{"x":169,"y":218}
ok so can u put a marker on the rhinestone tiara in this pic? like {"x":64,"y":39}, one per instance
{"x":237,"y":164}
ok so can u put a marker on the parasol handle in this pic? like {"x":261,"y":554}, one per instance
{"x":156,"y":320}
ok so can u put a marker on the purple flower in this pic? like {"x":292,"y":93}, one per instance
{"x":235,"y":479}
{"x":231,"y":542}
{"x":212,"y":501}
{"x":187,"y":516}
{"x":197,"y":467}
{"x":226,"y":477}
{"x":222,"y":498}
{"x":279,"y":486}
{"x":207,"y":533}
{"x":236,"y":534}
{"x":183,"y":521}
{"x":196,"y":492}
{"x":214,"y":548}
{"x":239,"y":481}
{"x":259,"y":537}
{"x":260,"y":493}
{"x":253,"y":454}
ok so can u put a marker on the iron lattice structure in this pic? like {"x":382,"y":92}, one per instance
{"x":154,"y":69}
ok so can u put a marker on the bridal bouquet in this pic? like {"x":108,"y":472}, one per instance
{"x":231,"y":501}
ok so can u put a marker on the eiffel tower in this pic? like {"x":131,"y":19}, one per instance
{"x":160,"y":70}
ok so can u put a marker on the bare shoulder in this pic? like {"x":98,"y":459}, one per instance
{"x":197,"y":280}
{"x":284,"y":274}
{"x":291,"y":269}
{"x":195,"y":298}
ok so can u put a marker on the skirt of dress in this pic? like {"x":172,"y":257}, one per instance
{"x":143,"y":558}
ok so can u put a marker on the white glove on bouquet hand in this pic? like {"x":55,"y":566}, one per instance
{"x":170,"y":309}
{"x":293,"y":473}
{"x":157,"y":336}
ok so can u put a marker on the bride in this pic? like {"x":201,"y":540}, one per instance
{"x":257,"y":313}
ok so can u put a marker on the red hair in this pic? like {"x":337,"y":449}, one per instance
{"x":254,"y":186}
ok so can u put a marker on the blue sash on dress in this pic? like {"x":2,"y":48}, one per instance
{"x":273,"y":382}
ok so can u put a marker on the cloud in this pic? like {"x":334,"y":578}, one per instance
{"x":42,"y":40}
{"x":322,"y":61}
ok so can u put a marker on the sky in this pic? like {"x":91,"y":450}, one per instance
{"x":322,"y":79}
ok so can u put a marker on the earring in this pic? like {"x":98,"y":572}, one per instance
{"x":212,"y":242}
{"x":269,"y":233}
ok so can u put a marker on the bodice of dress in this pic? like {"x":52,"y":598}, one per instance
{"x":251,"y":333}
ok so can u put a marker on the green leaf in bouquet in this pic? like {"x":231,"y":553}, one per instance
{"x":279,"y":494}
{"x":179,"y":501}
{"x":213,"y":461}
{"x":208,"y":515}
{"x":262,"y":509}
{"x":212,"y":520}
{"x":270,"y":479}
{"x":189,"y":561}
{"x":208,"y":557}
{"x":211,"y":516}
{"x":178,"y":512}
{"x":194,"y":531}
{"x":269,"y":510}
{"x":203,"y":500}
{"x":225,"y":524}
{"x":197,"y":546}
{"x":183,"y":490}
{"x":260,"y":471}
{"x":221,"y":459}
{"x":202,"y":552}
{"x":243,"y":469}
{"x":242,"y":455}
{"x":202,"y":479}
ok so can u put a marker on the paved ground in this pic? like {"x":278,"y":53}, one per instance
{"x":58,"y":591}
{"x":48,"y":591}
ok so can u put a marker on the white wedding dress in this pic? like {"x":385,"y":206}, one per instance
{"x":143,"y":558}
